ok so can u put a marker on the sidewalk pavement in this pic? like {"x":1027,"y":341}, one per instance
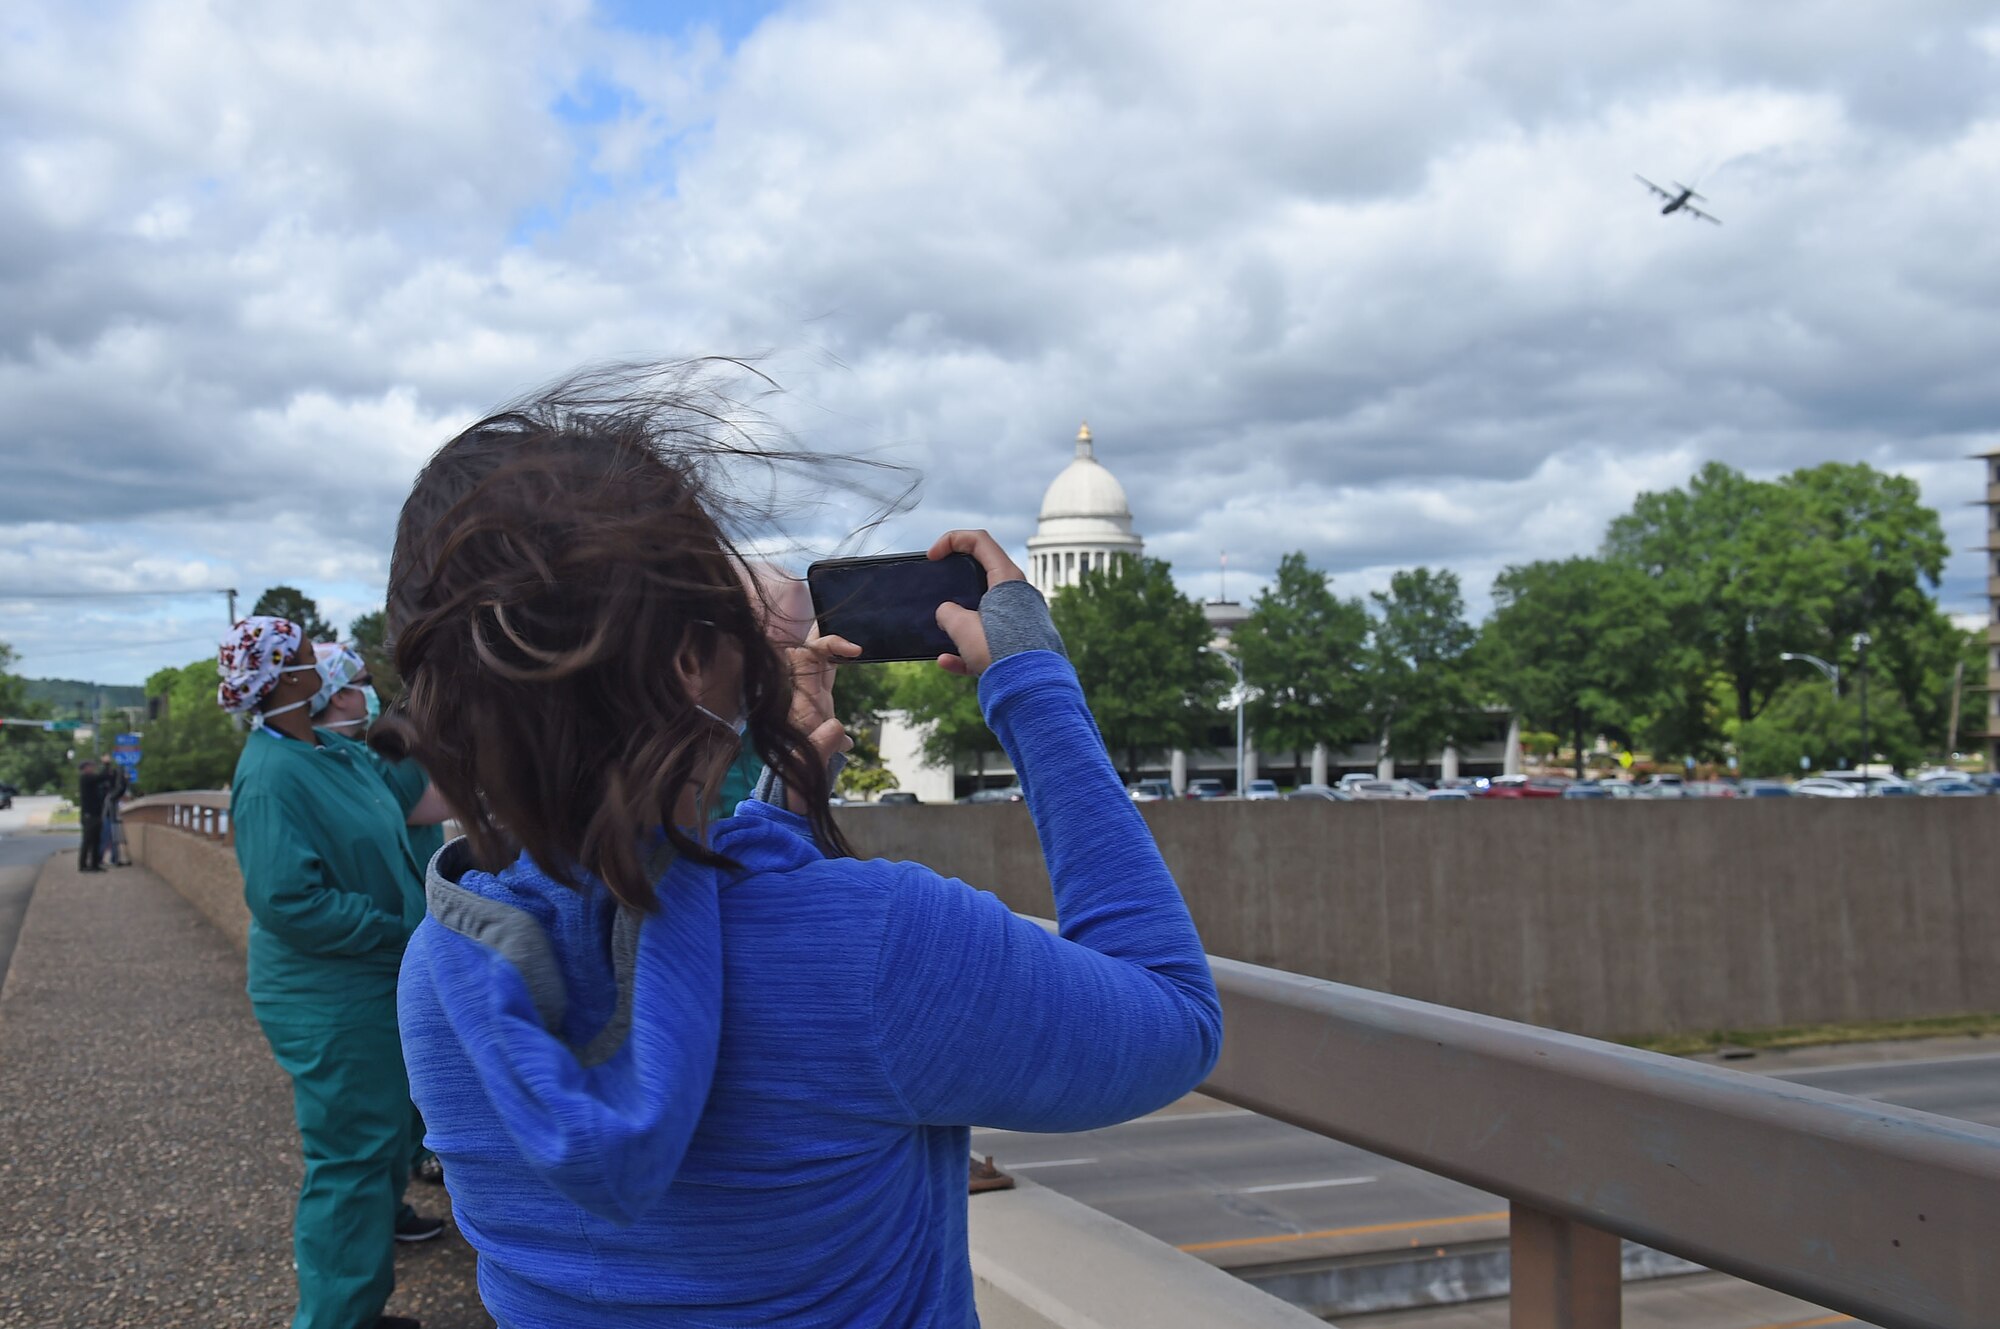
{"x":148,"y":1161}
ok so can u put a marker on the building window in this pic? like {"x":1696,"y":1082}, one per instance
{"x":1069,"y":564}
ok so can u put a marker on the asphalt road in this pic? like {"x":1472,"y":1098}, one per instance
{"x":22,"y":854}
{"x":1240,"y":1188}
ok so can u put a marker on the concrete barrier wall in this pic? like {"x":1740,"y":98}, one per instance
{"x":1610,"y":919}
{"x":204,"y":871}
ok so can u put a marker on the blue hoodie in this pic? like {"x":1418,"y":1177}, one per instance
{"x":752,"y":1107}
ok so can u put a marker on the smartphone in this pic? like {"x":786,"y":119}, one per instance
{"x":887,"y":605}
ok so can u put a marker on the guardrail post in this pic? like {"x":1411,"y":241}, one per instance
{"x":1566,"y":1274}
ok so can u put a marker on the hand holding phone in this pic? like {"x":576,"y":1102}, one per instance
{"x":970,"y":655}
{"x":913,"y":606}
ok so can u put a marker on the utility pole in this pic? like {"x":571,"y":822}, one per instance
{"x":231,"y":593}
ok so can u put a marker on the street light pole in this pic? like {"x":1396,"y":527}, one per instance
{"x":1861,"y":642}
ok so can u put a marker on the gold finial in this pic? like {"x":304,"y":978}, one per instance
{"x":1083,"y":448}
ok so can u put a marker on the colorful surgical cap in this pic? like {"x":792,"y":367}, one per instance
{"x":250,"y":659}
{"x":339,"y":665}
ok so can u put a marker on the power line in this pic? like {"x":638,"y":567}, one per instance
{"x":110,"y":595}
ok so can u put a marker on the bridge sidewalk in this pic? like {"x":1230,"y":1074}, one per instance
{"x":149,"y":1163}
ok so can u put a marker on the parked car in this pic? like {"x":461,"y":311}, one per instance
{"x":1711,"y":789}
{"x":1011,"y":794}
{"x":1890,"y":786}
{"x":1523,"y":786}
{"x":1382,"y":791}
{"x":1321,"y":792}
{"x":1764,"y":789}
{"x":1262,"y":791}
{"x":1663,"y":786}
{"x":1583,"y":789}
{"x":1151,"y":791}
{"x":1353,"y":778}
{"x":896,"y":796}
{"x":1204,"y":789}
{"x":1950,"y":788}
{"x":1819,"y":786}
{"x":1449,"y":794}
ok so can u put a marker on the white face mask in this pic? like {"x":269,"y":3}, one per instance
{"x":374,"y":708}
{"x":258,"y":720}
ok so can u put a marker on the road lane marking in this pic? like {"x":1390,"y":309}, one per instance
{"x":1810,"y":1324}
{"x":1305,"y":1185}
{"x":1136,"y":1121}
{"x":1849,"y":1067}
{"x":1050,"y":1162}
{"x":1367,"y":1229}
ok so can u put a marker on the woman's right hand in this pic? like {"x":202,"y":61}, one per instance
{"x":960,"y":623}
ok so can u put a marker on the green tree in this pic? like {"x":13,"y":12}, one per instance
{"x":946,"y":707}
{"x":1576,"y":646}
{"x":292,"y":603}
{"x":1137,"y":645}
{"x":368,"y":634}
{"x":1749,"y":569}
{"x":1804,"y":721}
{"x":1734,"y":564}
{"x":1420,"y":686}
{"x":32,"y":760}
{"x":1303,"y":651}
{"x":191,"y":743}
{"x":860,"y":694}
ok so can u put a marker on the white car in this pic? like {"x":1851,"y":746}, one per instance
{"x":1381,"y":791}
{"x":1818,"y":786}
{"x":1262,"y":791}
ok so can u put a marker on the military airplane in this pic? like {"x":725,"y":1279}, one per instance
{"x":1678,"y":202}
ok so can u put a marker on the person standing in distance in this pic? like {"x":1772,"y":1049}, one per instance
{"x":93,"y":786}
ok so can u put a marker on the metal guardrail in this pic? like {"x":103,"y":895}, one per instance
{"x":198,"y":811}
{"x":1881,"y":1212}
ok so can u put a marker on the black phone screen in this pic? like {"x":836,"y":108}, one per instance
{"x":888,"y":605}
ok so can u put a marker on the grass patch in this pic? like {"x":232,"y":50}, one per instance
{"x":1820,"y":1035}
{"x":65,"y":816}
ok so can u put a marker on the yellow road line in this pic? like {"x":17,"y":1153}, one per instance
{"x":1341,"y":1232}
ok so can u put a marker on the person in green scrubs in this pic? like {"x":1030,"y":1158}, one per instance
{"x":347,"y":703}
{"x":784,"y":607}
{"x":334,"y":891}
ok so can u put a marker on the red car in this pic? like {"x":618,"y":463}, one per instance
{"x":1522,"y":786}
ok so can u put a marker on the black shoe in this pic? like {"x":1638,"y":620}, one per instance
{"x":416,"y":1227}
{"x":429,"y":1171}
{"x":397,"y":1322}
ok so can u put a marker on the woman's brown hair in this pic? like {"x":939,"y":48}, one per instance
{"x":551,"y":565}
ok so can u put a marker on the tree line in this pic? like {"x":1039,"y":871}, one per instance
{"x":1669,"y":639}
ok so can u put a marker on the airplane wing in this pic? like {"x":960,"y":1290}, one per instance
{"x":1692,"y":211}
{"x":1655,"y":188}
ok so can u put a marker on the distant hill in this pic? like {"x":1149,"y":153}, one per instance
{"x":65,"y":695}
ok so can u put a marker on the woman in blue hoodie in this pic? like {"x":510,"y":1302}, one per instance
{"x":683,"y":1073}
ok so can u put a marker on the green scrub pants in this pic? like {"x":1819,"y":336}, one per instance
{"x":352,"y":1100}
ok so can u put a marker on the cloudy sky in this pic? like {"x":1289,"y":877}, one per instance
{"x":1371,"y":281}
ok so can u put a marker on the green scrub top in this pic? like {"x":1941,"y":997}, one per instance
{"x":425,"y":841}
{"x":737,"y":783}
{"x":333,"y":887}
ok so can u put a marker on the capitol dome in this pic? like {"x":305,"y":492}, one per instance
{"x":1085,"y":522}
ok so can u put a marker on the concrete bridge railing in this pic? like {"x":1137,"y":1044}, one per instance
{"x":1881,"y":1212}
